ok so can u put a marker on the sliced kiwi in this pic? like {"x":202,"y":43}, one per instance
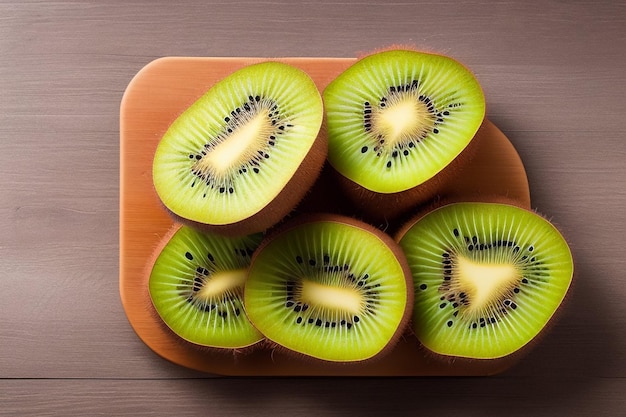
{"x":488,"y":278}
{"x":396,"y":120}
{"x":331,"y":288}
{"x":196,"y":287}
{"x":245,"y":153}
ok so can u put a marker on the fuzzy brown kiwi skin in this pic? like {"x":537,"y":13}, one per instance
{"x":449,"y":191}
{"x":505,"y":362}
{"x":468,"y":366}
{"x":403,"y":224}
{"x":325,"y":368}
{"x":395,"y":248}
{"x":171,"y":335}
{"x":496,"y":365}
{"x":389,"y":207}
{"x":395,"y":47}
{"x":286,"y":200}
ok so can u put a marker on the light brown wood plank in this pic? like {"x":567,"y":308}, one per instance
{"x":320,"y":397}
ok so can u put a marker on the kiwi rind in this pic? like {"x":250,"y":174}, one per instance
{"x":340,"y":355}
{"x":252,"y":204}
{"x":510,"y":311}
{"x":171,"y":267}
{"x":399,"y":191}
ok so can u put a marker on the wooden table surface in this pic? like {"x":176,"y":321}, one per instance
{"x":553,"y":75}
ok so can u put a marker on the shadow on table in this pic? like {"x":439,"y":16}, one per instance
{"x":559,"y":374}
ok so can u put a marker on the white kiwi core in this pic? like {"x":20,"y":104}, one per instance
{"x":221,"y":282}
{"x":484,"y":282}
{"x":333,"y":298}
{"x":239,"y":147}
{"x":404,"y":117}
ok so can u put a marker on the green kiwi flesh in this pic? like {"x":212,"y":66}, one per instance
{"x":239,"y":147}
{"x":397,"y":118}
{"x":331,"y":288}
{"x":196,"y":287}
{"x":488,"y":278}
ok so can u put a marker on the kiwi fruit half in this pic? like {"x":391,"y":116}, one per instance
{"x":196,"y":287}
{"x":488,"y":278}
{"x":396,"y":120}
{"x":330,"y":287}
{"x":244,"y":154}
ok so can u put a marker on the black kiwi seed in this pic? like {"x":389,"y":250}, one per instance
{"x":197,"y":284}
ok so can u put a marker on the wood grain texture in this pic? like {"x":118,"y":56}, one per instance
{"x":553,"y":76}
{"x":371,"y":397}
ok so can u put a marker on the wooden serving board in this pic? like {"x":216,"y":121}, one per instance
{"x":154,"y":98}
